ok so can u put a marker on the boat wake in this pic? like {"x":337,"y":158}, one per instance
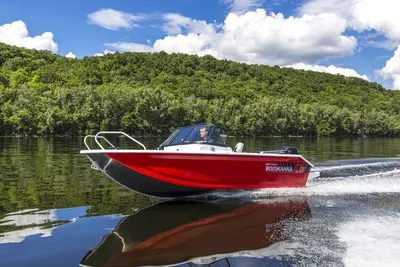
{"x":356,"y":167}
{"x":344,"y":178}
{"x":371,"y":240}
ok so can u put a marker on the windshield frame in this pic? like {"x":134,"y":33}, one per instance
{"x":191,"y":135}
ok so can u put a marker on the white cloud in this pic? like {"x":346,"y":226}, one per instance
{"x":330,"y":69}
{"x":104,"y":53}
{"x":114,"y":20}
{"x":70,"y":55}
{"x":242,"y":6}
{"x":16,"y":33}
{"x":341,"y":8}
{"x":256,"y":37}
{"x":176,"y":23}
{"x":392,"y":69}
{"x":381,"y":16}
{"x":272,"y":39}
{"x":367,"y":16}
{"x":190,"y":44}
{"x":362,"y":15}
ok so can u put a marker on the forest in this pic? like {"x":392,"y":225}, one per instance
{"x":150,"y":94}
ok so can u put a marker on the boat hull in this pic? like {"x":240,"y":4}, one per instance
{"x":170,"y":175}
{"x":139,"y":182}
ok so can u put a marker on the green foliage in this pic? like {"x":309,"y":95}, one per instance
{"x":152,"y":93}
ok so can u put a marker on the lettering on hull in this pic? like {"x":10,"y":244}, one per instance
{"x":286,"y":167}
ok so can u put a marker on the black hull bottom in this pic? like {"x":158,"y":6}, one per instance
{"x":141,"y":183}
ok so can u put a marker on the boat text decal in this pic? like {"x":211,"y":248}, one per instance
{"x":284,"y":167}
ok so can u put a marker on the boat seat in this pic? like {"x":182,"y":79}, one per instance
{"x":239,"y":147}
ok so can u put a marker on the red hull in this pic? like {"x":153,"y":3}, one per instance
{"x":217,"y":171}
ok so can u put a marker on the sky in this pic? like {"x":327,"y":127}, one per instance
{"x":359,"y":38}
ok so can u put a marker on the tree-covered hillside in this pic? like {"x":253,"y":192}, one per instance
{"x":151,"y":93}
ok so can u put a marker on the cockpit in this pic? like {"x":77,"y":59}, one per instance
{"x":203,"y":133}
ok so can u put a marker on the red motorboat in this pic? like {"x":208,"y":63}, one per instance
{"x":195,"y":160}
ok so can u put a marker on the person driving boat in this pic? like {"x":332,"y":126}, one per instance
{"x":204,"y":134}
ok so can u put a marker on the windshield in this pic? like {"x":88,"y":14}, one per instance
{"x":170,"y":137}
{"x":200,"y":133}
{"x":182,"y":135}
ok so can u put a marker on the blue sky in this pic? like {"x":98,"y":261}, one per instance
{"x":355,"y":38}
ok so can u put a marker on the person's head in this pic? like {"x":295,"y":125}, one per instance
{"x":203,"y":132}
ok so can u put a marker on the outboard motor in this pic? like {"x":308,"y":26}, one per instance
{"x":289,"y":150}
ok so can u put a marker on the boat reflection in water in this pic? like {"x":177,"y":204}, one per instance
{"x":187,"y":233}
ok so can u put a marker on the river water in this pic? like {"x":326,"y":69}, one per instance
{"x":56,"y":211}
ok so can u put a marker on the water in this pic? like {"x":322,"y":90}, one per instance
{"x":56,"y":211}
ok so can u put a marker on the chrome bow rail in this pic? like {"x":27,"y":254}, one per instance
{"x":100,"y":136}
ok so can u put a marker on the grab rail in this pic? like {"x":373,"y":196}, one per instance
{"x":110,"y":132}
{"x":84,"y":140}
